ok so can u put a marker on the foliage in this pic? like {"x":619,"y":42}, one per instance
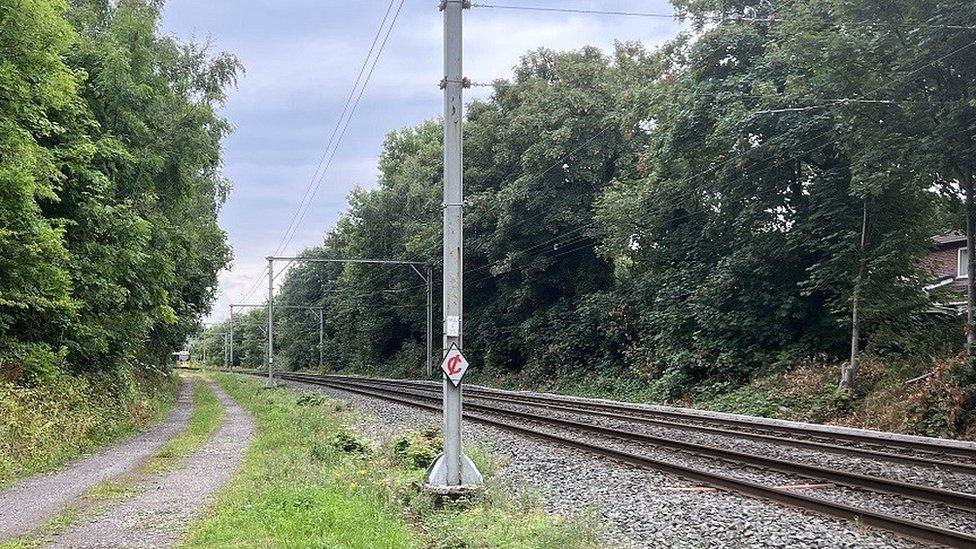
{"x":905,"y":395}
{"x":347,"y":441}
{"x":294,"y":491}
{"x":109,"y":186}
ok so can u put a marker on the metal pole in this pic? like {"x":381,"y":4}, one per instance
{"x":271,"y":381}
{"x":225,"y":350}
{"x":232,"y":338}
{"x":453,"y":469}
{"x":430,"y":322}
{"x":321,"y":334}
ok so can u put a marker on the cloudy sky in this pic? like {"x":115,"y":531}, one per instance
{"x":301,"y":59}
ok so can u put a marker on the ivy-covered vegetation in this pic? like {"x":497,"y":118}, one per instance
{"x":109,"y":193}
{"x":756,"y":193}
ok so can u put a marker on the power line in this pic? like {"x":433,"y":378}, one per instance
{"x":733,"y":18}
{"x":702,"y":174}
{"x":345,"y":108}
{"x":319,"y":173}
{"x":345,"y":127}
{"x":576,"y":11}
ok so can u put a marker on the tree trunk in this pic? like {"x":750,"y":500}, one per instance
{"x":849,"y":370}
{"x":966,"y":180}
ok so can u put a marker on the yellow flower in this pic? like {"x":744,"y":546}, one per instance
{"x":361,"y":472}
{"x":353,"y":486}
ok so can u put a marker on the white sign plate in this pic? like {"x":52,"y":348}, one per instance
{"x":453,"y":327}
{"x":454,"y":364}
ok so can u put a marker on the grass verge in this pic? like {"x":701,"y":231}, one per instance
{"x":47,"y":424}
{"x":204,"y":421}
{"x":309,"y":480}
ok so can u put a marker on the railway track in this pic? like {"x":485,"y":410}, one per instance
{"x":919,"y":453}
{"x":487,"y":407}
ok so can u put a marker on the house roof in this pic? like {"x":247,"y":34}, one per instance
{"x":949,"y":238}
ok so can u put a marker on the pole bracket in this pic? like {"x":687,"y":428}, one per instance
{"x":465,"y":82}
{"x":465,"y":4}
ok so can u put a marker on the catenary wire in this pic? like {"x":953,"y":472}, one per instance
{"x":318,"y":174}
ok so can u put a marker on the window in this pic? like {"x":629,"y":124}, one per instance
{"x":962,"y":264}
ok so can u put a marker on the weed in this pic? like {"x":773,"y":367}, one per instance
{"x":346,"y":441}
{"x":417,"y":449}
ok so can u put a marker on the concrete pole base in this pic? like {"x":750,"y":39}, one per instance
{"x":436,"y":479}
{"x":270,"y":384}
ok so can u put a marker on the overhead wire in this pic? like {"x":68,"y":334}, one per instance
{"x":733,"y":18}
{"x":345,"y":108}
{"x":319,"y":172}
{"x":345,"y":127}
{"x":515,"y":7}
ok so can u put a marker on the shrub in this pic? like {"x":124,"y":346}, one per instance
{"x":347,"y":441}
{"x":418,"y":449}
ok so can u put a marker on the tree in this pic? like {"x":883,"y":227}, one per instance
{"x":35,"y":284}
{"x":109,"y":161}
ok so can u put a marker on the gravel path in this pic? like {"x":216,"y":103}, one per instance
{"x":157,"y":516}
{"x":637,"y":507}
{"x":30,"y":503}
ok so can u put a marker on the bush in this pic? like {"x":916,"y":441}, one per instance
{"x":418,"y":449}
{"x":347,"y":441}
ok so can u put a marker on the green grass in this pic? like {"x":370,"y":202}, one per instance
{"x":112,"y":490}
{"x":285,"y":494}
{"x":310,"y":480}
{"x":206,"y":418}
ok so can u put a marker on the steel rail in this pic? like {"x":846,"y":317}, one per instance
{"x":912,"y":529}
{"x":629,"y":415}
{"x":913,"y":446}
{"x":958,"y":500}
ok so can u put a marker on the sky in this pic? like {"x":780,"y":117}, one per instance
{"x":301,"y":58}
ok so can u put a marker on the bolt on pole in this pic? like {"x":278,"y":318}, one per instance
{"x":453,"y":470}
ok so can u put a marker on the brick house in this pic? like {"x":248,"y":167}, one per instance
{"x":947,"y":263}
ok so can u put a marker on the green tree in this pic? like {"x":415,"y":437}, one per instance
{"x":37,"y":87}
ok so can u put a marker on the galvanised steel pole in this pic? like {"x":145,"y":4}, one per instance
{"x":321,"y":334}
{"x":453,"y":469}
{"x":271,"y":381}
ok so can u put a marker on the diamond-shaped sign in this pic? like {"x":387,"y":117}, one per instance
{"x":454,"y":365}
